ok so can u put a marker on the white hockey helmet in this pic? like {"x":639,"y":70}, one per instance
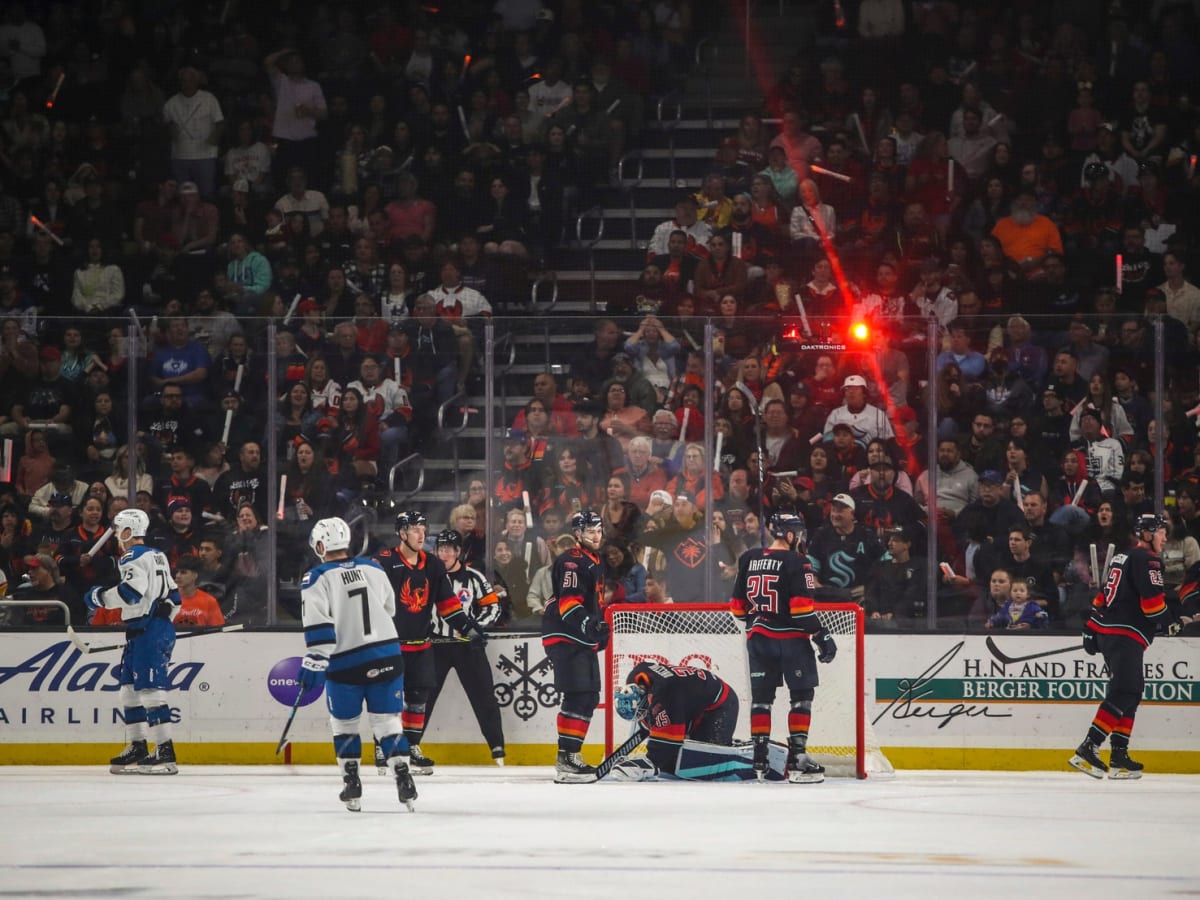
{"x":329,"y":536}
{"x":135,"y":520}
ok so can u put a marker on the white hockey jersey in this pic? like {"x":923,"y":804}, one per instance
{"x":145,"y":583}
{"x":347,"y":610}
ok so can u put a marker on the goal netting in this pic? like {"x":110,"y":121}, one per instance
{"x":708,"y":636}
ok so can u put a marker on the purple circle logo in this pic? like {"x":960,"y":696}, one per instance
{"x":283,"y":682}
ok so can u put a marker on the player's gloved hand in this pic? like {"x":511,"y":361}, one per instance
{"x":1091,"y":646}
{"x":826,"y":646}
{"x":1175,"y":627}
{"x":312,"y":672}
{"x":596,"y":631}
{"x":165,"y":610}
{"x":477,"y":635}
{"x":92,"y":598}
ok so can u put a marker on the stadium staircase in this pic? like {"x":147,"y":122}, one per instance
{"x":604,"y":252}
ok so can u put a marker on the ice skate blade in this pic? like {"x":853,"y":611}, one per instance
{"x":420,"y":770}
{"x":574,"y":777}
{"x":499,"y":760}
{"x":410,"y":806}
{"x":1085,"y":767}
{"x":1123,"y":775}
{"x":354,"y":805}
{"x":158,"y":768}
{"x":383,"y":770}
{"x":132,"y":769}
{"x":805,"y":777}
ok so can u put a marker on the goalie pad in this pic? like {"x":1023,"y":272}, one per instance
{"x":636,"y":769}
{"x":712,"y":762}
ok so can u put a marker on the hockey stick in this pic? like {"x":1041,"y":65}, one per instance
{"x":287,"y":726}
{"x":91,"y":648}
{"x":634,"y":741}
{"x":1010,"y":660}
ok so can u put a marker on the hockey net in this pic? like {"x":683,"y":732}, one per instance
{"x":707,"y":636}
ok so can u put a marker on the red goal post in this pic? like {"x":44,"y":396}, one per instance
{"x":706,"y":635}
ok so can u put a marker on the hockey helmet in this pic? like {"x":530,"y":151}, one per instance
{"x":448,"y":538}
{"x":629,"y":700}
{"x":1149,"y":522}
{"x":409,"y":517}
{"x":587,"y":518}
{"x":783,"y":523}
{"x":135,"y":520}
{"x":329,"y":536}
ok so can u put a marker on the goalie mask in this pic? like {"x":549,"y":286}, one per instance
{"x":630,"y":701}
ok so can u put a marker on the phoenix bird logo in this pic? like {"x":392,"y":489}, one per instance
{"x":414,"y":599}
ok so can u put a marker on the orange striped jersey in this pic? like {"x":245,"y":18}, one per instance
{"x":1132,"y":600}
{"x":773,"y":594}
{"x":677,"y":699}
{"x":577,"y":578}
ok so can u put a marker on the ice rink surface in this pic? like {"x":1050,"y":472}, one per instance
{"x":480,"y":833}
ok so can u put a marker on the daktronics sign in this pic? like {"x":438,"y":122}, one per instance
{"x":61,"y":669}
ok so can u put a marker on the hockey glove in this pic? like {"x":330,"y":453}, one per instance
{"x":1091,"y":646}
{"x":477,"y":635}
{"x":312,"y":673}
{"x":826,"y":646}
{"x":596,"y":631}
{"x":92,"y":598}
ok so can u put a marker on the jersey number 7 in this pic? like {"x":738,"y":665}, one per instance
{"x":761,"y":593}
{"x":361,"y":594}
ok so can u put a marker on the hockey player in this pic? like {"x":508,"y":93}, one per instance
{"x":573,"y":631}
{"x":773,"y":596}
{"x":148,"y":599}
{"x":348,"y":606}
{"x":690,"y":714}
{"x":1125,"y":614}
{"x":481,"y":605}
{"x":421,"y":584}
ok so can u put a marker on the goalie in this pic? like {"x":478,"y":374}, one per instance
{"x":688,"y":715}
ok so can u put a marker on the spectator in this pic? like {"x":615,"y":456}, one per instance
{"x":720,"y":274}
{"x":1105,"y":455}
{"x":843,"y":551}
{"x":249,"y":275}
{"x":195,"y":122}
{"x":1019,"y":612}
{"x":686,"y":220}
{"x":388,"y":403}
{"x":299,"y":106}
{"x":99,"y":286}
{"x":243,"y":485}
{"x":1027,"y":236}
{"x":182,"y":362}
{"x":311,"y":204}
{"x":994,"y":509}
{"x":199,"y":608}
{"x":971,"y":363}
{"x":866,"y":421}
{"x":813,"y":223}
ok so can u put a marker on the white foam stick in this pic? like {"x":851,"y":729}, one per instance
{"x":291,"y":310}
{"x":8,"y":445}
{"x":37,"y":223}
{"x":1120,"y":272}
{"x":1194,"y":411}
{"x":225,"y":10}
{"x":1079,"y":406}
{"x":830,"y":174}
{"x":687,"y":412}
{"x":566,"y":101}
{"x":212,"y":516}
{"x":968,"y":70}
{"x":646,"y":559}
{"x":462,"y":120}
{"x":717,"y":452}
{"x":1017,"y":491}
{"x":816,"y":439}
{"x":1108,"y":560}
{"x":282,"y":495}
{"x":1078,"y":498}
{"x":950,"y":175}
{"x":396,"y":367}
{"x":100,"y":542}
{"x":528,"y":510}
{"x":58,"y":83}
{"x":947,"y":570}
{"x":995,"y":120}
{"x":803,"y":316}
{"x":861,"y":134}
{"x":528,"y":555}
{"x":228,"y":424}
{"x":613,"y":106}
{"x":1095,"y":564}
{"x":737,"y":244}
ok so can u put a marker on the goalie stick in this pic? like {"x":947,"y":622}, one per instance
{"x":641,"y":732}
{"x":1010,"y":660}
{"x":92,"y":648}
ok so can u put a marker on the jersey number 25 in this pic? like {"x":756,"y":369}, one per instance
{"x":761,"y":593}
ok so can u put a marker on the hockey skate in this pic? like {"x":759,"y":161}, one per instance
{"x":571,"y":769}
{"x":419,"y":763}
{"x":1121,"y":767}
{"x":127,"y":761}
{"x":381,"y":765}
{"x":802,"y":770}
{"x":351,"y":794}
{"x":762,"y":765}
{"x":498,"y":755}
{"x":405,"y":787}
{"x":160,"y":762}
{"x":1087,"y":760}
